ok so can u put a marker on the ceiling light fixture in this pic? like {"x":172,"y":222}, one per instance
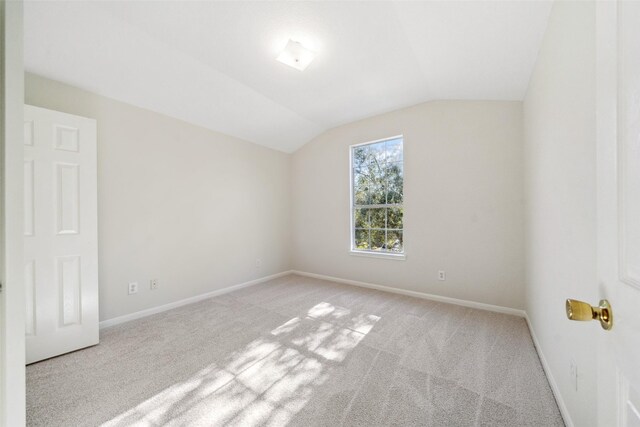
{"x":295,"y":55}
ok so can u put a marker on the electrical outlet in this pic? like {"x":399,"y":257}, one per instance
{"x":153,"y":284}
{"x":573,"y":374}
{"x":258,"y":263}
{"x":133,"y":288}
{"x":442,"y":275}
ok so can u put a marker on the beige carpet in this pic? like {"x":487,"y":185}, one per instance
{"x":300,"y":351}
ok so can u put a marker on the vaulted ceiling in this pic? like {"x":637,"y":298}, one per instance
{"x":213,"y":63}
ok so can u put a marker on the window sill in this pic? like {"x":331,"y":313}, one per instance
{"x":396,"y":257}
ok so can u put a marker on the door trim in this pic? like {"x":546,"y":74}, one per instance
{"x":12,"y":309}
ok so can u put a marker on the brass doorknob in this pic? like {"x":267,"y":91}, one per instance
{"x":578,"y":310}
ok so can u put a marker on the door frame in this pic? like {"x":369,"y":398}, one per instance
{"x":12,"y":307}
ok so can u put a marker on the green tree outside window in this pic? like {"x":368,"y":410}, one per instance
{"x":377,"y":187}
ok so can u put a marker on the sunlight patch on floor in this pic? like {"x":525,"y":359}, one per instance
{"x":267,"y":382}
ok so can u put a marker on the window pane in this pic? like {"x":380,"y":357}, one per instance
{"x":376,"y":172}
{"x":376,"y":155}
{"x":393,"y":150}
{"x":361,"y":218}
{"x":394,"y":181}
{"x":377,"y":240}
{"x":361,"y":190}
{"x":361,"y":169}
{"x":362,"y":240}
{"x":377,"y":218}
{"x":394,"y":218}
{"x":377,"y":192}
{"x":360,"y":156}
{"x":394,"y":241}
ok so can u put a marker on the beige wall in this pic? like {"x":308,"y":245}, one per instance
{"x":189,"y":207}
{"x":560,"y":189}
{"x":463,"y":202}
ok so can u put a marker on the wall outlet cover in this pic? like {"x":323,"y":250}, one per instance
{"x":133,"y":288}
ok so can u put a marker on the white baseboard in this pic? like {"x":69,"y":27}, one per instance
{"x":149,"y":311}
{"x":456,"y":301}
{"x":552,"y":382}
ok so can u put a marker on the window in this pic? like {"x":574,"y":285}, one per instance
{"x":377,"y":177}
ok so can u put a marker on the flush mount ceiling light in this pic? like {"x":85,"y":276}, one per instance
{"x":295,"y":55}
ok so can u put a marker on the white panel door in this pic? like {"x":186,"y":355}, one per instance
{"x":60,"y":233}
{"x":618,"y":161}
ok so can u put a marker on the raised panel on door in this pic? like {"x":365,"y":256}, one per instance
{"x":28,"y":132}
{"x":630,"y":406}
{"x":66,"y":138}
{"x":29,"y":285}
{"x":29,"y":214}
{"x":61,"y":232}
{"x":69,"y":286}
{"x":67,"y":198}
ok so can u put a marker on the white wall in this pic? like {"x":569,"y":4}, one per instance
{"x":463,"y":202}
{"x":189,"y":207}
{"x":560,"y":189}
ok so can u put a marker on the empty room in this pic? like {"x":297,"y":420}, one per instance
{"x":320,"y":213}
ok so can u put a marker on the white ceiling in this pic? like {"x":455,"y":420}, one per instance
{"x":213,"y":63}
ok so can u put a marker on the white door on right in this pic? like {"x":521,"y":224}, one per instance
{"x":618,"y":164}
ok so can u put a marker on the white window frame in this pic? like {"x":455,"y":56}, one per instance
{"x":400,"y":256}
